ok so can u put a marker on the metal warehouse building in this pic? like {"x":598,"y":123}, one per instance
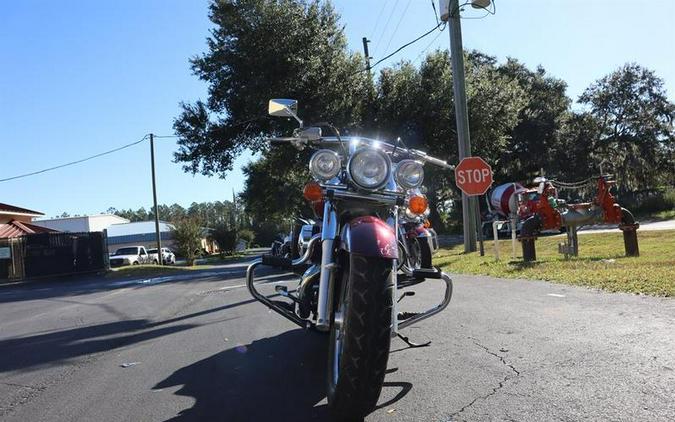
{"x":140,"y":233}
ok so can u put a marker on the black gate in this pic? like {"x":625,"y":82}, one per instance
{"x":48,"y":254}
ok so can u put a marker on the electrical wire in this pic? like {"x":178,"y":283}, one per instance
{"x":487,"y":10}
{"x":433,"y":6}
{"x":74,"y":162}
{"x":379,"y":15}
{"x":399,"y":49}
{"x":429,"y":45}
{"x":384,"y":29}
{"x":393,"y":34}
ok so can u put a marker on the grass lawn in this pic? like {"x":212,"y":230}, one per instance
{"x":601,"y":262}
{"x":140,"y":271}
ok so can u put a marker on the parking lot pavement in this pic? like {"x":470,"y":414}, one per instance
{"x":202,"y":349}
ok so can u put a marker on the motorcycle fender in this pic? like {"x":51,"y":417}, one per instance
{"x":422,"y":231}
{"x":370,"y":236}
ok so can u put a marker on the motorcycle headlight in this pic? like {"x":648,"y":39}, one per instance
{"x":409,"y":174}
{"x":325,"y":164}
{"x":369,"y":168}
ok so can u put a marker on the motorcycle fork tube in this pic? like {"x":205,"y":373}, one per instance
{"x":394,"y":273}
{"x":329,"y":232}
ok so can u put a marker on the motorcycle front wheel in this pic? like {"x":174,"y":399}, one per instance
{"x":360,"y":337}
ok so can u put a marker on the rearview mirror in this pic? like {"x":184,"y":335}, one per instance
{"x":281,"y":107}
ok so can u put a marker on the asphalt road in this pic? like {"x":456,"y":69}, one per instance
{"x":202,"y":349}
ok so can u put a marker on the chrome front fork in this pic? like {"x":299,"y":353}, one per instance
{"x":329,"y":232}
{"x":393,"y":222}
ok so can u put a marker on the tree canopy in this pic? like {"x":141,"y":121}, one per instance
{"x":521,"y":119}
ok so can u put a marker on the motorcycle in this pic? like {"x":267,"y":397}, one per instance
{"x":360,"y":188}
{"x":418,"y":240}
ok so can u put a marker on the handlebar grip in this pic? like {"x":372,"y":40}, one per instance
{"x":279,"y":140}
{"x":439,"y":163}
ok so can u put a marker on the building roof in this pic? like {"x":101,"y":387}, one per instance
{"x":17,"y":229}
{"x":139,"y":227}
{"x":85,"y":217}
{"x":11,"y":209}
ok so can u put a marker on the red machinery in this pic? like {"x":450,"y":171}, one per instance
{"x":547,"y":213}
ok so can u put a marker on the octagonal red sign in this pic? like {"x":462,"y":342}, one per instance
{"x":473,"y":176}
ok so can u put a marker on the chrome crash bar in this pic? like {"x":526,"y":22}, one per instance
{"x":285,"y":312}
{"x":433,"y":311}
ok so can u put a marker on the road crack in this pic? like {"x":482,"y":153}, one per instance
{"x":515,"y":373}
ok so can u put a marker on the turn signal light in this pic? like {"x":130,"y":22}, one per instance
{"x":312,"y":192}
{"x":427,"y":224}
{"x":417,"y":204}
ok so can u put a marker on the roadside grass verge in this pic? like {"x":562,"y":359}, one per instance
{"x":146,"y":271}
{"x":601,"y":262}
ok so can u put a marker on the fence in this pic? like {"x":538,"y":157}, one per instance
{"x":49,"y":254}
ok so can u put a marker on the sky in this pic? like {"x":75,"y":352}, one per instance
{"x":81,"y":77}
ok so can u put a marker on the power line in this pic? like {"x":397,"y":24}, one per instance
{"x":379,"y":15}
{"x":75,"y":162}
{"x":430,"y":44}
{"x":397,"y":25}
{"x":401,"y":48}
{"x":384,"y":29}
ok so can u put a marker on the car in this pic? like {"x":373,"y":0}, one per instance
{"x":130,"y":255}
{"x":167,"y":255}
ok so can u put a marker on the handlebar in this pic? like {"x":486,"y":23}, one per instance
{"x":282,"y":140}
{"x":423,"y":156}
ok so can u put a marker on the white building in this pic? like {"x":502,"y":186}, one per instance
{"x":141,"y":233}
{"x":86,"y":223}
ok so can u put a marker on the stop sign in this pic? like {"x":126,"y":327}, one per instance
{"x":473,"y":176}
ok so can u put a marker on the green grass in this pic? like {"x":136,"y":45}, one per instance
{"x":141,"y":271}
{"x":664,"y":215}
{"x":601,"y":262}
{"x":217,"y":259}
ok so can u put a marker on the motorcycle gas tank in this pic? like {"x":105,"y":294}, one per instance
{"x":369,"y":236}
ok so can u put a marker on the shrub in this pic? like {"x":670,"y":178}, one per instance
{"x":246,"y":235}
{"x":226,"y":238}
{"x":187,"y":233}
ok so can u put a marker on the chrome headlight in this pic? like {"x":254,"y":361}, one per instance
{"x":369,"y":168}
{"x":325,"y":164}
{"x":409,"y":174}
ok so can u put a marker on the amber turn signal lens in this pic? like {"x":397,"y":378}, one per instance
{"x":417,"y":205}
{"x":312,"y":192}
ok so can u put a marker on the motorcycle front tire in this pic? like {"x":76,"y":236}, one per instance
{"x":359,"y":346}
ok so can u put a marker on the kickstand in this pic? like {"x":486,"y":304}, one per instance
{"x":412,"y":344}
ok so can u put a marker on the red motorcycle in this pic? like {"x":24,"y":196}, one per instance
{"x":360,"y":188}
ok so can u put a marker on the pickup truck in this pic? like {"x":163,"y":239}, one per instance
{"x":169,"y":258}
{"x":131,"y":255}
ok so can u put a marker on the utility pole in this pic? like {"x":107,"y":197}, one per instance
{"x":365,"y":53}
{"x":160,"y":258}
{"x":469,"y":204}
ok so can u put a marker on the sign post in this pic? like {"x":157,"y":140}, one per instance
{"x":474,"y":177}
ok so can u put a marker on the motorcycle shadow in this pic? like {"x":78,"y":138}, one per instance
{"x":275,"y":378}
